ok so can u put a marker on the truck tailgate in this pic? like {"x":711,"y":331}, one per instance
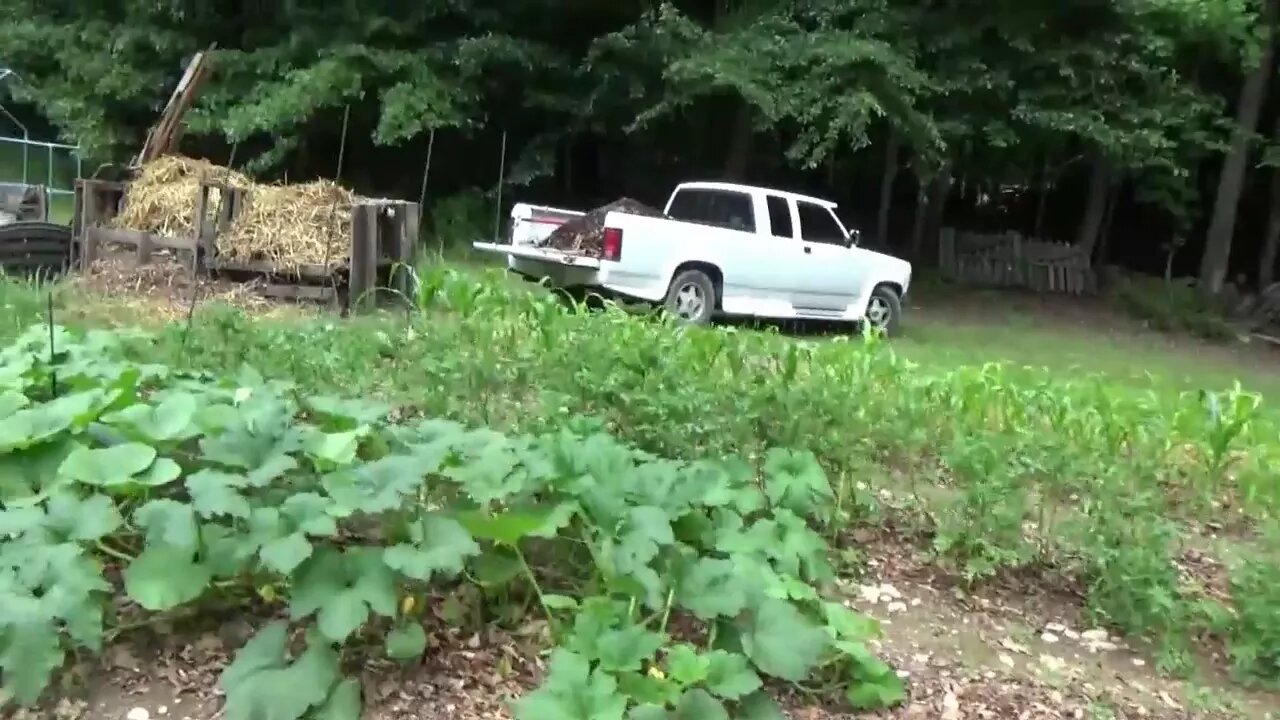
{"x":544,"y":254}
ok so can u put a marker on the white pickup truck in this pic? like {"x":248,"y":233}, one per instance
{"x":723,"y":249}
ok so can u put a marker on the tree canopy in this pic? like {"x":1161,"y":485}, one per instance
{"x":997,"y":93}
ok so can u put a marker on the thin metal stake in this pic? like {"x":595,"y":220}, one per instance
{"x":53,"y":374}
{"x":333,"y":209}
{"x":502,"y":172}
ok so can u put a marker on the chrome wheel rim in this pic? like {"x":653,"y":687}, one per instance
{"x":879,"y":312}
{"x":690,"y":301}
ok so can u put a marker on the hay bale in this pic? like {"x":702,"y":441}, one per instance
{"x":292,"y":225}
{"x":285,"y":225}
{"x":161,"y":199}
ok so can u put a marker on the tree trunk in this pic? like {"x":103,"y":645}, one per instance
{"x":917,"y":224}
{"x":735,"y":165}
{"x":1217,"y":248}
{"x":1095,"y":207}
{"x":1108,"y":218}
{"x":930,"y":202}
{"x":1042,"y":202}
{"x":1271,"y":242}
{"x":886,"y":186}
{"x":939,"y":192}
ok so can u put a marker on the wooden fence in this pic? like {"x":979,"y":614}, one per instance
{"x":1010,"y":260}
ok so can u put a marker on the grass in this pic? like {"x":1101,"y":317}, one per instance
{"x":1022,"y":444}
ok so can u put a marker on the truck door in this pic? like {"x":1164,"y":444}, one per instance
{"x":831,"y":278}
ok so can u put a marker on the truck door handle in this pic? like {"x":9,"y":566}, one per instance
{"x":807,"y":249}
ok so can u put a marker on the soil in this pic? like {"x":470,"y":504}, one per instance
{"x":585,"y":234}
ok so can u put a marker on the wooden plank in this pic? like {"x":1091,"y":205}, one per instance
{"x":297,"y":292}
{"x":262,"y":267}
{"x":136,"y":238}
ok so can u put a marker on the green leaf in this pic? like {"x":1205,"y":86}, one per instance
{"x":378,"y":486}
{"x":261,"y":684}
{"x":271,"y":469}
{"x":343,"y":703}
{"x":882,"y":692}
{"x":171,"y":420}
{"x":168,"y":522}
{"x":107,"y":466}
{"x":285,"y":554}
{"x":627,"y":648}
{"x":29,"y":654}
{"x":698,"y":705}
{"x":711,"y":588}
{"x":760,"y":707}
{"x":88,"y":519}
{"x":216,"y":494}
{"x":572,"y":692}
{"x":310,"y":512}
{"x":729,"y":677}
{"x":335,"y":448}
{"x":163,"y":472}
{"x":406,"y":641}
{"x":559,"y":602}
{"x":342,"y":588}
{"x":507,"y":528}
{"x":648,"y":712}
{"x":781,"y":640}
{"x":686,"y":666}
{"x":493,"y":568}
{"x":441,"y":545}
{"x":164,"y":577}
{"x":266,"y":650}
{"x":796,"y":481}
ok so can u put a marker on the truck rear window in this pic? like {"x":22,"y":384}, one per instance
{"x":722,"y":208}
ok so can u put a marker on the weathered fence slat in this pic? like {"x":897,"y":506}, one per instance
{"x":1010,"y":260}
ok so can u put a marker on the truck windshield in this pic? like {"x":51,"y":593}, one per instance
{"x":722,"y":208}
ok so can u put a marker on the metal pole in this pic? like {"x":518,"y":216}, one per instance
{"x":48,"y":173}
{"x":26,"y":150}
{"x":502,"y":172}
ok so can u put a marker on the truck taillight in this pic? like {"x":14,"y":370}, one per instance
{"x":611,"y":246}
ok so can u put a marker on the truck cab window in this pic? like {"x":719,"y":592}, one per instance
{"x":780,"y":216}
{"x":818,"y":225}
{"x":722,"y":208}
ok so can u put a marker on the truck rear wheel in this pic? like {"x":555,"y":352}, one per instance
{"x":691,"y":297}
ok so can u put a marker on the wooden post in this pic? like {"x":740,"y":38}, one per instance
{"x":409,"y":223}
{"x":143,"y":250}
{"x":89,"y":200}
{"x":364,"y":255}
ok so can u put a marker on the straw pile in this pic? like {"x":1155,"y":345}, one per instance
{"x":285,"y":225}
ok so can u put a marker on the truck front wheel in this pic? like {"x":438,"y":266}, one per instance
{"x":691,"y":297}
{"x":884,"y":310}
